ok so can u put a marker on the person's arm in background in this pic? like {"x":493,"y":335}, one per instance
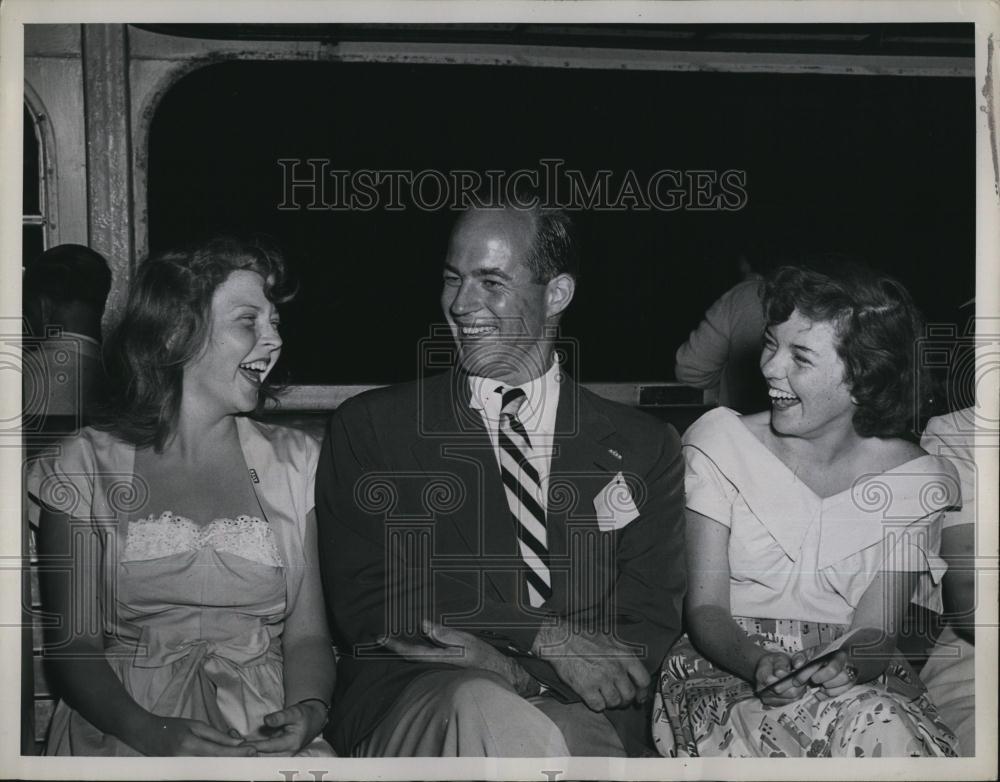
{"x":953,"y":436}
{"x":958,"y":549}
{"x":699,"y":362}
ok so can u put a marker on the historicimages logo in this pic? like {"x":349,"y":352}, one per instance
{"x":314,"y":184}
{"x":963,"y":366}
{"x":48,"y":371}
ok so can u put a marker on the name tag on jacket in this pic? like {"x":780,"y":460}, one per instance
{"x":614,"y":505}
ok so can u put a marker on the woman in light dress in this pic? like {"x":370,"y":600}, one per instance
{"x":807,"y":521}
{"x":185,"y":583}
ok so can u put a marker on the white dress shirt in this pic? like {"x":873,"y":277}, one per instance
{"x":537,"y":414}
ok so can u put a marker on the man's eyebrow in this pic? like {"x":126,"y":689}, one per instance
{"x":484,"y":271}
{"x":491,"y":271}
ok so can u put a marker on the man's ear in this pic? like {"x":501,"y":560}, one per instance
{"x":558,"y":294}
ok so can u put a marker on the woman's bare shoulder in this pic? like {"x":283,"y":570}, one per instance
{"x":759,"y":424}
{"x":888,"y":453}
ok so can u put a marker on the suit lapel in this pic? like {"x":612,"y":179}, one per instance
{"x":453,"y":439}
{"x":587,"y":453}
{"x":584,"y":438}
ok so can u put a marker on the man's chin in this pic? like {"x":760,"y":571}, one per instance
{"x":479,"y":363}
{"x":510,"y":365}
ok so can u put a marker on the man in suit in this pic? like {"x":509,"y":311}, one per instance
{"x":502,"y":550}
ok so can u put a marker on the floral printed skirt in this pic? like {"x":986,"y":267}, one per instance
{"x":702,"y":711}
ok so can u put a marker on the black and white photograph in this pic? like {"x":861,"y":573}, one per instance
{"x":526,"y":390}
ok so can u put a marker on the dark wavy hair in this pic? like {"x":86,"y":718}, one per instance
{"x":877,"y":325}
{"x":166,"y":324}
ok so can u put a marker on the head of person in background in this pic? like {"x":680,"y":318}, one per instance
{"x":839,"y":347}
{"x":199,"y":335}
{"x":64,"y":293}
{"x":509,"y":275}
{"x":66,"y":287}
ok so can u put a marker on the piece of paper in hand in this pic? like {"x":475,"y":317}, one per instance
{"x":820,"y":655}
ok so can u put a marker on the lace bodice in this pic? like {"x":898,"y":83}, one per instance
{"x":245,"y":536}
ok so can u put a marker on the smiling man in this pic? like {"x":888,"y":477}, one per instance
{"x":501,"y":292}
{"x":502,"y":549}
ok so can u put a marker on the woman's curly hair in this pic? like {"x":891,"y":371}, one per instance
{"x":166,"y":324}
{"x":877,"y":325}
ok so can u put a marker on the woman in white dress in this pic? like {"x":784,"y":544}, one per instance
{"x":188,"y":597}
{"x":807,"y":521}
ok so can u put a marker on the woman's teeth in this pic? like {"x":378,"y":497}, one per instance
{"x":781,"y":396}
{"x":255,"y":366}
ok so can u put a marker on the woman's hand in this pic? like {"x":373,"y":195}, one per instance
{"x":290,"y":729}
{"x":167,"y":736}
{"x":834,"y":676}
{"x":773,"y":684}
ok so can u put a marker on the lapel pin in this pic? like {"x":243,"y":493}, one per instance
{"x":253,"y":475}
{"x":615,"y":453}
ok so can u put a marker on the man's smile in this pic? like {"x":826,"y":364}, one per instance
{"x":474,"y":331}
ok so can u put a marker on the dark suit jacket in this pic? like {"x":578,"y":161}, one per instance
{"x":414,"y":524}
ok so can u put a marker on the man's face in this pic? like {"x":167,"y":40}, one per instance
{"x":496,"y":309}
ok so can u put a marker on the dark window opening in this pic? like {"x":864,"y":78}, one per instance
{"x":879,"y":166}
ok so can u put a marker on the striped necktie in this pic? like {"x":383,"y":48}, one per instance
{"x":524,"y":495}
